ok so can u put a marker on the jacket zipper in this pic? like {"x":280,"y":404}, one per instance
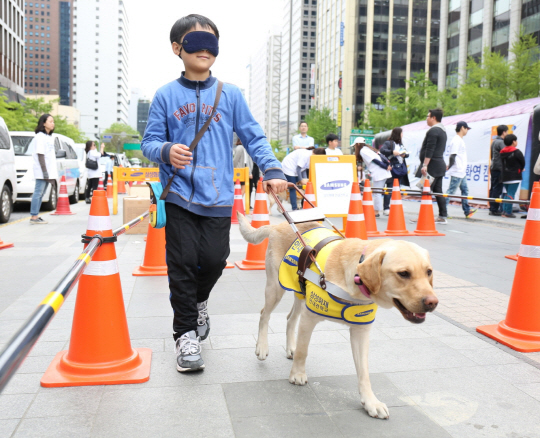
{"x":194,"y":163}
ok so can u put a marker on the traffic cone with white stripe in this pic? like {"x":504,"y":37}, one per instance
{"x":4,"y":245}
{"x":369,"y":212}
{"x":109,"y":188}
{"x":100,"y":184}
{"x":521,"y":328}
{"x":238,"y":204}
{"x":63,"y":202}
{"x":256,"y":254}
{"x":309,"y":195}
{"x":356,"y":225}
{"x":154,"y":263}
{"x":396,"y":220}
{"x":100,"y":351}
{"x":426,"y":219}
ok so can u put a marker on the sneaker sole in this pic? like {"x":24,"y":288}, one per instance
{"x":186,"y":370}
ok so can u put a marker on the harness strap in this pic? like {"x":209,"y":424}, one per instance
{"x":304,"y":260}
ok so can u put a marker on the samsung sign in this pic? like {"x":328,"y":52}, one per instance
{"x":335,"y":185}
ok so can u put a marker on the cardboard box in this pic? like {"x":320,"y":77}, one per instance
{"x":135,"y":206}
{"x":142,"y":191}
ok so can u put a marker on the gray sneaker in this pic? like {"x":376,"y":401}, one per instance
{"x":441,"y":220}
{"x":38,"y":221}
{"x":203,"y":320}
{"x":188,"y":353}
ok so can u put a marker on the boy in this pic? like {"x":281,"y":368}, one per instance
{"x":199,"y":202}
{"x":332,"y":141}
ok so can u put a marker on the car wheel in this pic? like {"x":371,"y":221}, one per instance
{"x":53,"y":199}
{"x":74,"y":199}
{"x":6,"y":204}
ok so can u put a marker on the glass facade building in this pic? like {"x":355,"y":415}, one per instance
{"x":65,"y":53}
{"x":12,"y":48}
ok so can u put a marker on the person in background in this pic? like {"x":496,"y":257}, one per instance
{"x":496,"y":170}
{"x":457,"y":168}
{"x":93,"y":174}
{"x":395,"y":152}
{"x":513,"y":163}
{"x":241,"y":159}
{"x":302,"y":140}
{"x":253,"y":181}
{"x":379,"y":167}
{"x":332,"y":141}
{"x":45,"y":170}
{"x":108,"y":171}
{"x":431,"y":158}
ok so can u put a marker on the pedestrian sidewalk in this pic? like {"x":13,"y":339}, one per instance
{"x":440,"y":379}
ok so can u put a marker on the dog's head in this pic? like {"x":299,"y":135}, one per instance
{"x":399,"y":274}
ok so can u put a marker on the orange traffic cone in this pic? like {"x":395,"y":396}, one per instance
{"x":310,"y":195}
{"x":396,"y":220}
{"x":100,"y":351}
{"x":356,"y":225}
{"x":154,"y":263}
{"x":426,"y":220}
{"x":100,"y":185}
{"x":63,"y":201}
{"x":238,"y":202}
{"x":369,"y":212}
{"x":521,"y":328}
{"x":256,"y":254}
{"x":122,"y":188}
{"x":109,"y":188}
{"x":4,"y":245}
{"x":229,"y":266}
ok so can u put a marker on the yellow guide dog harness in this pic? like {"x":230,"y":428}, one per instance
{"x":317,"y":299}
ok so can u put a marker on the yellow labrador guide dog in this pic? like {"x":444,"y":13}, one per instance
{"x":358,"y":276}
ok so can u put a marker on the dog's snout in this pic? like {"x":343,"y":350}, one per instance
{"x":430,"y":302}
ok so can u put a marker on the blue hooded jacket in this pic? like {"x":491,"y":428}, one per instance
{"x":177,"y":113}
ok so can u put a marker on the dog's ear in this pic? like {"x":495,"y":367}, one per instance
{"x":370,"y":271}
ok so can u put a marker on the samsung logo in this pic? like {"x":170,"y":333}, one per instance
{"x":335,"y":185}
{"x":362,"y":314}
{"x":137,"y":174}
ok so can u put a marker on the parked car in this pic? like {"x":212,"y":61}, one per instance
{"x":67,"y":162}
{"x":8,"y":176}
{"x":135,"y":162}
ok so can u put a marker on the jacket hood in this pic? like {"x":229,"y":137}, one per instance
{"x":508,"y":149}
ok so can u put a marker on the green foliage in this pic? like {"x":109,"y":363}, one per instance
{"x":320,"y":124}
{"x":24,"y":117}
{"x":278,"y":149}
{"x":122,"y":133}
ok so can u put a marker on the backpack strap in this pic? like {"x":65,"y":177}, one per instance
{"x":197,"y":138}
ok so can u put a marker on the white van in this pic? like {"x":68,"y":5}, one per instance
{"x":8,"y":177}
{"x":66,"y":160}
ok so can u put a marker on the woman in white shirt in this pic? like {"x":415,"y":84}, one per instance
{"x":379,"y":167}
{"x":45,"y":170}
{"x":93,"y":174}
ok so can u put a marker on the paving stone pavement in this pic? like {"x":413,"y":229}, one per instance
{"x":439,"y":379}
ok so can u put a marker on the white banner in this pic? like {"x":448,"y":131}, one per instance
{"x":478,"y":142}
{"x":334,"y":185}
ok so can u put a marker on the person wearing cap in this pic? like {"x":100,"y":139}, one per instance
{"x":379,"y":167}
{"x":457,"y":168}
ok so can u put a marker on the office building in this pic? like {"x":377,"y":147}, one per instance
{"x":264,"y":85}
{"x":48,"y":49}
{"x":467,"y":26}
{"x":385,"y":44}
{"x":143,"y":108}
{"x":12,"y":49}
{"x":100,"y":64}
{"x":136,"y":94}
{"x":298,"y":50}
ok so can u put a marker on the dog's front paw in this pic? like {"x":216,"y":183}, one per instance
{"x":290,"y":352}
{"x":261,"y":351}
{"x":298,"y":378}
{"x":376,"y":409}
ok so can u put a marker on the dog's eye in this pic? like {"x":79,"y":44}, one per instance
{"x":404,"y":274}
{"x":429,"y":272}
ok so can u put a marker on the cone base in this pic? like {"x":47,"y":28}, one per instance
{"x":375,"y":234}
{"x":149,"y":271}
{"x":248,"y":265}
{"x":428,"y":233}
{"x":61,"y":213}
{"x":512,"y":257}
{"x":399,"y":233}
{"x":54,"y":378}
{"x":229,"y":266}
{"x":511,"y":337}
{"x":234,"y":221}
{"x":6,"y":245}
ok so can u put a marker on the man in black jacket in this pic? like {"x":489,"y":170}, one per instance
{"x":496,"y":170}
{"x":431,"y":158}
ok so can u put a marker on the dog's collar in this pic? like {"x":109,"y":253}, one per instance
{"x":358,"y":281}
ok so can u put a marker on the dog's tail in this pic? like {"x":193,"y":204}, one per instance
{"x":250,"y":234}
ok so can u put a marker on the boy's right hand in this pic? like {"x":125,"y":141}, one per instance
{"x":180,"y":156}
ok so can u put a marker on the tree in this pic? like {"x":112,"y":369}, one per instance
{"x":320,"y":124}
{"x":277,"y":149}
{"x":121,"y":133}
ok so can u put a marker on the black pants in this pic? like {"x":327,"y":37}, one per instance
{"x":90,"y":187}
{"x":106,"y":179}
{"x":436,"y":187}
{"x":197,"y":251}
{"x":496,"y":190}
{"x":389,"y":185}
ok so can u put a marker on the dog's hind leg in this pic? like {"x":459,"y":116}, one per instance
{"x":292,"y":320}
{"x":308,"y":321}
{"x":273,"y":294}
{"x":360,"y":349}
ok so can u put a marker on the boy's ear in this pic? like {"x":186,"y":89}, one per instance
{"x":176,"y":48}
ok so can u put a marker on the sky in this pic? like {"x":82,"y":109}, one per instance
{"x":243,"y":26}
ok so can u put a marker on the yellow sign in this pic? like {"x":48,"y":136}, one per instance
{"x":242,"y":174}
{"x":339,"y":112}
